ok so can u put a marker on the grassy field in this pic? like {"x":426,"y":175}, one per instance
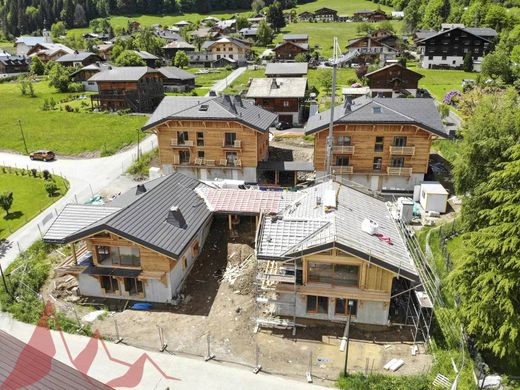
{"x":205,"y":81}
{"x":65,"y":133}
{"x":30,"y":198}
{"x":7,"y":46}
{"x":240,"y":82}
{"x":439,"y":81}
{"x":343,"y":7}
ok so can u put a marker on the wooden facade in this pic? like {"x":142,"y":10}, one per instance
{"x":358,"y":154}
{"x":207,"y":146}
{"x":289,"y":50}
{"x":393,"y":78}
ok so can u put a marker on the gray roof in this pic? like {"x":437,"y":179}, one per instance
{"x":143,"y":221}
{"x":421,"y":34}
{"x":482,"y":31}
{"x":287,"y":68}
{"x":421,"y":112}
{"x":303,"y":228}
{"x":145,"y":55}
{"x":179,"y":45}
{"x":215,"y":108}
{"x":76,"y":56}
{"x":384,"y":68}
{"x":280,"y":87}
{"x":75,"y":217}
{"x":174,"y":73}
{"x":290,"y":37}
{"x":484,"y":38}
{"x":123,"y":73}
{"x":304,"y":46}
{"x":30,"y":41}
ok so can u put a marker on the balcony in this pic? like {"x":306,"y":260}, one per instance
{"x":399,"y":171}
{"x":206,"y":163}
{"x":343,"y":149}
{"x":402,"y":150}
{"x":174,"y":143}
{"x":237,"y":144}
{"x":342,"y":169}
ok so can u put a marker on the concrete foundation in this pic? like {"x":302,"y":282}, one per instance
{"x":383,"y":182}
{"x":246,"y":174}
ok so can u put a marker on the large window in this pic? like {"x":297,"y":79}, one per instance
{"x":103,"y":253}
{"x":342,"y":307}
{"x":397,"y":162}
{"x":184,"y":156}
{"x":317,"y":304}
{"x":400,"y":141}
{"x":378,"y":162}
{"x":182,"y":137}
{"x":342,"y":161}
{"x":379,"y":144}
{"x":200,"y":139}
{"x":229,"y":139}
{"x":133,"y":286}
{"x":343,"y":140}
{"x":109,"y":284}
{"x":125,"y":255}
{"x":231,"y":158}
{"x":336,"y":274}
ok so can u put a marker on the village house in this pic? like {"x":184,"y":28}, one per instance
{"x":105,"y":51}
{"x":12,"y":64}
{"x":208,"y":137}
{"x":171,"y":49}
{"x":380,"y":143}
{"x":138,"y":88}
{"x":447,"y":48}
{"x":319,"y":261}
{"x":49,"y":51}
{"x":325,"y":15}
{"x":205,"y":33}
{"x":210,"y":19}
{"x":292,"y":45}
{"x":306,"y":16}
{"x":226,"y":26}
{"x":283,"y":96}
{"x":371,"y":50}
{"x":225,"y":51}
{"x":84,"y":74}
{"x":167,"y":35}
{"x":151,"y":60}
{"x":249,"y":33}
{"x":369,"y":15}
{"x":176,"y":79}
{"x":141,"y":246}
{"x":393,"y":81}
{"x":25,"y":43}
{"x":283,"y":69}
{"x":78,"y":59}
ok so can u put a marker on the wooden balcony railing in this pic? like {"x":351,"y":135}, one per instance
{"x":399,"y":171}
{"x":237,"y":144}
{"x":206,"y":163}
{"x":342,"y":169}
{"x":343,"y":149}
{"x":402,"y":150}
{"x":174,"y":143}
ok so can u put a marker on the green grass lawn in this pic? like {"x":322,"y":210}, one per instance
{"x":29,"y":199}
{"x":343,"y":7}
{"x":65,"y":133}
{"x":439,"y":81}
{"x":241,"y":82}
{"x":7,"y":46}
{"x":205,"y":81}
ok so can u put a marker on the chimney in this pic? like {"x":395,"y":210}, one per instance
{"x":348,"y":103}
{"x":141,"y":189}
{"x":238,"y":101}
{"x":176,"y":218}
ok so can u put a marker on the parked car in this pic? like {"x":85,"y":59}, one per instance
{"x":283,"y":126}
{"x":43,"y":155}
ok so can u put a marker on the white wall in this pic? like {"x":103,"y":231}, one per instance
{"x":386,"y":182}
{"x":451,"y":61}
{"x":246,"y":174}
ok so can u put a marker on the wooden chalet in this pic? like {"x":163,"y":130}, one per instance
{"x":207,"y":137}
{"x":286,"y":51}
{"x":370,"y":15}
{"x":176,"y":79}
{"x":306,"y":16}
{"x":171,"y":49}
{"x":78,"y":59}
{"x":393,"y":81}
{"x":325,"y":15}
{"x":84,"y":74}
{"x":286,"y":69}
{"x":11,"y":64}
{"x":49,"y":51}
{"x":372,"y":50}
{"x":139,"y":89}
{"x":380,"y":143}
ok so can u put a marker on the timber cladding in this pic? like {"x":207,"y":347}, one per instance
{"x":253,"y":144}
{"x":150,"y":260}
{"x":363,"y":138}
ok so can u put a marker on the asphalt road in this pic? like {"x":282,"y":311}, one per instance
{"x":86,"y":177}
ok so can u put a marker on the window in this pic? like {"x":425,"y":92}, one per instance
{"x":184,"y":156}
{"x":184,"y":262}
{"x":229,"y":139}
{"x":379,"y":144}
{"x":342,"y":161}
{"x":344,"y":140}
{"x":103,"y":253}
{"x":397,"y":162}
{"x":133,"y":286}
{"x":231,"y":157}
{"x":218,"y":56}
{"x":286,"y":103}
{"x":182,"y":137}
{"x":444,"y":58}
{"x":342,"y":307}
{"x":376,"y":110}
{"x":317,"y":304}
{"x":400,"y":141}
{"x":200,"y":139}
{"x":231,"y":56}
{"x":109,"y":284}
{"x":336,"y":274}
{"x":378,"y":162}
{"x":200,"y":154}
{"x":125,"y":255}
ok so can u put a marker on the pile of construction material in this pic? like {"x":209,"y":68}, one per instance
{"x":240,"y":269}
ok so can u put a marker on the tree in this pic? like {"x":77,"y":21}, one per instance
{"x":487,"y":279}
{"x":58,"y":29}
{"x":413,"y":14}
{"x":80,"y":18}
{"x":148,"y":41}
{"x":496,"y":17}
{"x":257,"y":6}
{"x":468,"y":62}
{"x":59,"y":77}
{"x":361,"y":71}
{"x":37,"y":66}
{"x":275,"y":16}
{"x":365,"y":28}
{"x":436,"y":13}
{"x":264,"y":34}
{"x":387,"y":26}
{"x":325,"y":80}
{"x":129,"y":58}
{"x":301,"y":57}
{"x":181,"y":59}
{"x":498,"y":65}
{"x":241,"y":23}
{"x":6,"y":201}
{"x":52,"y":188}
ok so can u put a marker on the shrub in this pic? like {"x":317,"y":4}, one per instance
{"x":383,"y":382}
{"x":46,"y":174}
{"x":52,"y":188}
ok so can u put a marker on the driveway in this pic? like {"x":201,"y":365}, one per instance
{"x":221,"y":85}
{"x":86,"y":178}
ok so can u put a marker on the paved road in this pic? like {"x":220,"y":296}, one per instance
{"x":86,"y":177}
{"x":221,"y":85}
{"x":191,"y":373}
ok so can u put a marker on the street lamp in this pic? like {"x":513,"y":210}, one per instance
{"x":350,"y":306}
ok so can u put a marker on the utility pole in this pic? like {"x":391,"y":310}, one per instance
{"x":23,"y":136}
{"x":5,"y":283}
{"x":350,"y":306}
{"x":138,"y":136}
{"x":330,"y":138}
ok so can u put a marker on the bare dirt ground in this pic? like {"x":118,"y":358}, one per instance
{"x":291,"y":148}
{"x":219,"y":302}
